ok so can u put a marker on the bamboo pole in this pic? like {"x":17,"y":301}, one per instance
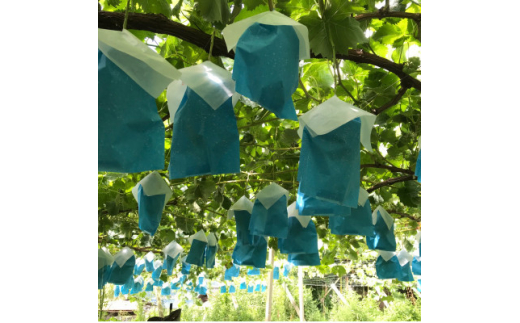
{"x":291,"y":299}
{"x":269,"y":305}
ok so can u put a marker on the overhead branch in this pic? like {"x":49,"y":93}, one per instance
{"x":391,"y":181}
{"x":389,"y":14}
{"x":158,"y":23}
{"x":391,"y":168}
{"x":405,"y":215}
{"x":392,"y":102}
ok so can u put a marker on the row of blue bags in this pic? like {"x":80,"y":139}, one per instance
{"x":400,"y":266}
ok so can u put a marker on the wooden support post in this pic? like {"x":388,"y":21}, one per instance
{"x":291,"y":299}
{"x":235,"y":303}
{"x":341,"y":297}
{"x":269,"y":305}
{"x":300,"y":287}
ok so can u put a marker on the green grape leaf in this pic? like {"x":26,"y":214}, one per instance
{"x":214,"y":10}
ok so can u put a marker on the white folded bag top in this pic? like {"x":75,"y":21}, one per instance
{"x":139,"y":262}
{"x":271,"y":194}
{"x":212,"y":239}
{"x":243,"y":204}
{"x":122,"y":256}
{"x":233,"y":32}
{"x":404,"y":257}
{"x":211,"y":82}
{"x":153,"y":184}
{"x":334,"y":113}
{"x":173,"y":249}
{"x":363,"y":196}
{"x":292,"y":211}
{"x":389,"y":220}
{"x":139,"y":280}
{"x":201,"y":236}
{"x":149,"y":256}
{"x":104,"y":258}
{"x":157,"y":264}
{"x":143,"y":65}
{"x":386,"y":255}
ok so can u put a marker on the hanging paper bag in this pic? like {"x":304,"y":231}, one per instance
{"x":264,"y":288}
{"x":287,"y":268}
{"x":384,"y":238}
{"x":198,"y":243}
{"x":157,"y":270}
{"x":151,"y":193}
{"x":268,"y":47}
{"x":302,"y":236}
{"x":359,"y":222}
{"x":139,"y":267}
{"x":223,"y":289}
{"x":257,"y":287}
{"x":250,"y":288}
{"x":387,"y":265}
{"x":308,"y":205}
{"x":148,"y":261}
{"x":123,"y":267}
{"x":185,"y":269}
{"x":418,"y":239}
{"x":405,"y":263}
{"x":182,"y":279}
{"x":201,"y":280}
{"x":418,"y":168}
{"x":304,"y":259}
{"x":416,"y":265}
{"x":166,"y":289}
{"x":127,"y":287}
{"x":149,"y":285}
{"x":330,"y":152}
{"x":253,"y":272}
{"x":232,"y":289}
{"x":211,"y":250}
{"x":172,"y":252}
{"x":276,"y":273}
{"x":243,"y":285}
{"x":175,"y":285}
{"x":138,"y":285}
{"x":105,"y":261}
{"x":203,"y":290}
{"x":205,"y":135}
{"x":116,"y":291}
{"x":269,"y":215}
{"x":233,"y":271}
{"x":241,"y":211}
{"x":130,"y":77}
{"x":419,"y":285}
{"x":158,"y":283}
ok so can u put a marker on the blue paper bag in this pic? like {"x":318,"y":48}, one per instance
{"x":172,"y":252}
{"x":264,"y":288}
{"x":130,"y":77}
{"x":129,"y":284}
{"x":123,"y":267}
{"x":287,"y":269}
{"x":269,"y":216}
{"x":139,"y":267}
{"x":182,"y":279}
{"x":416,"y":265}
{"x":205,"y":141}
{"x":243,"y":285}
{"x":330,"y":154}
{"x":158,"y":283}
{"x":203,"y":290}
{"x":250,"y":250}
{"x":233,"y":271}
{"x":116,"y":291}
{"x":405,"y":263}
{"x":384,"y":238}
{"x":304,"y":259}
{"x":149,"y":286}
{"x":223,"y":290}
{"x":198,"y":246}
{"x":232,"y":289}
{"x":201,"y":280}
{"x":175,"y":285}
{"x":189,"y":286}
{"x":419,"y":285}
{"x":166,"y":289}
{"x":257,"y":287}
{"x":138,"y":285}
{"x":148,"y":261}
{"x":359,"y":222}
{"x":276,"y":272}
{"x":211,"y":250}
{"x":302,"y":237}
{"x":308,"y":205}
{"x":105,"y":261}
{"x":387,"y":265}
{"x":418,"y":168}
{"x":158,"y":268}
{"x":185,"y":267}
{"x":250,"y":288}
{"x":253,"y":272}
